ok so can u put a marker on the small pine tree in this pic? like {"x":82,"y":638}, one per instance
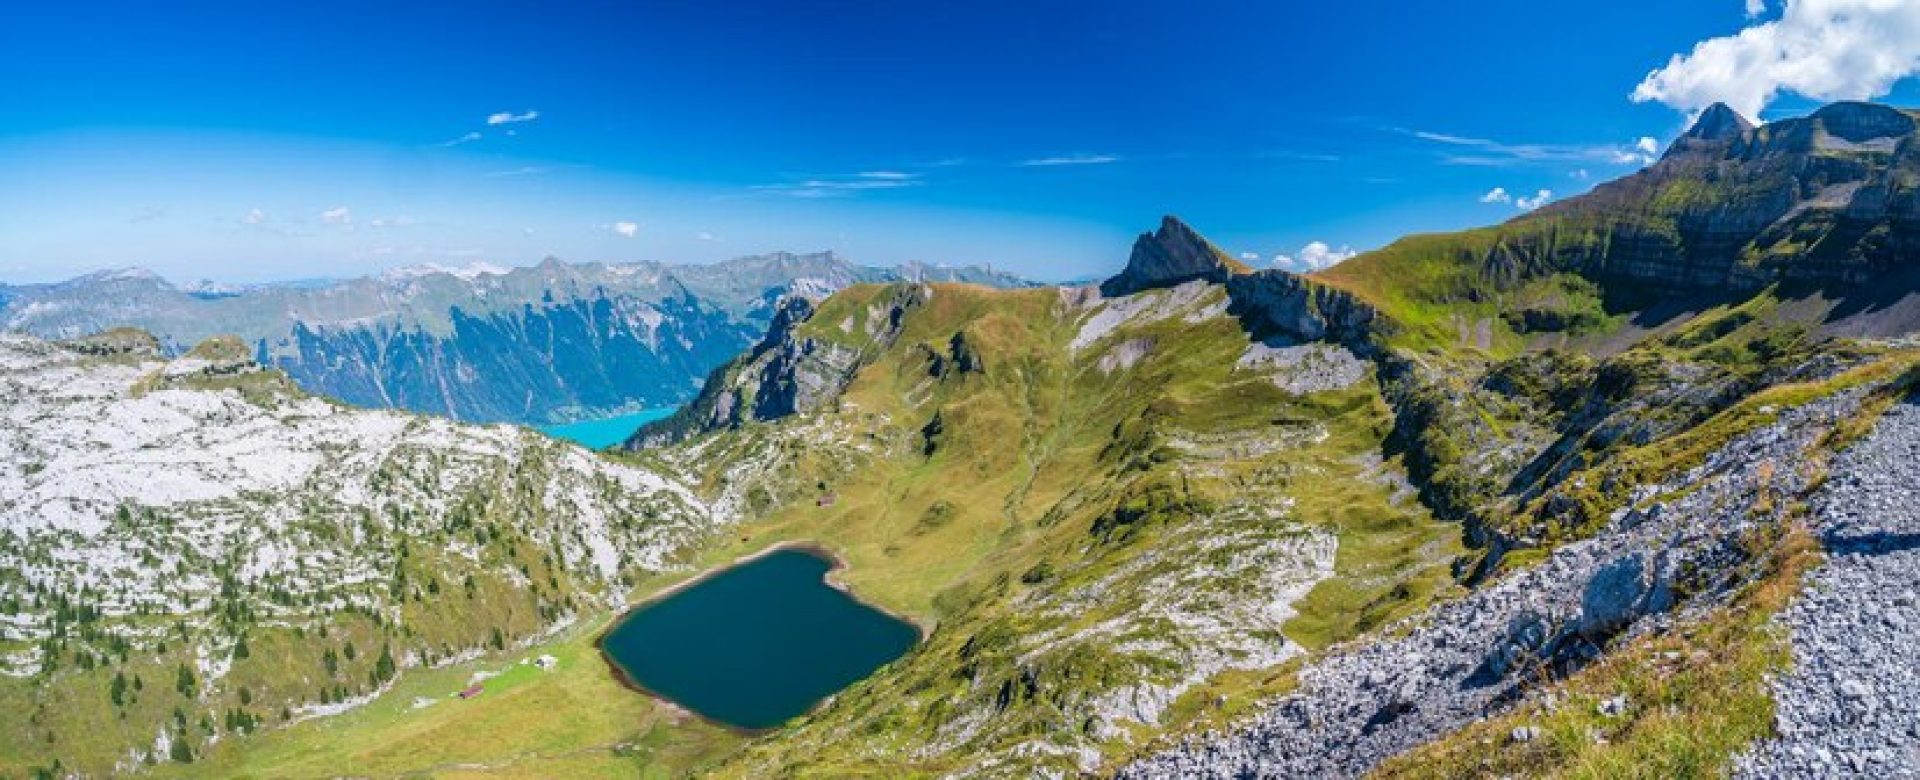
{"x":117,"y":691}
{"x":383,"y":669}
{"x":179,"y":751}
{"x":185,"y":682}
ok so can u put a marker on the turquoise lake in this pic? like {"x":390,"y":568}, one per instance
{"x":605,"y":432}
{"x":757,"y":643}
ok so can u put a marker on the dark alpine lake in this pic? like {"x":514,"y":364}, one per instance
{"x":756,"y":643}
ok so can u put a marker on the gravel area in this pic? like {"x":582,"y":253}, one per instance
{"x":1851,"y":705}
{"x":1466,"y":659}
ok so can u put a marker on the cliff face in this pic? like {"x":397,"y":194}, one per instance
{"x":1168,"y":257}
{"x":1831,"y":198}
{"x":554,"y":361}
{"x":793,"y":370}
{"x":1275,"y":304}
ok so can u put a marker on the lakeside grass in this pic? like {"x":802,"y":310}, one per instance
{"x":574,"y":721}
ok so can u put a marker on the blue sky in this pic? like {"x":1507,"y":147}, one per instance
{"x":246,"y":143}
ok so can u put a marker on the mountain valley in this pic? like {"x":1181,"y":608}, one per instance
{"x":1620,"y":487}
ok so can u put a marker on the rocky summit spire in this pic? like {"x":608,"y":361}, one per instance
{"x":1170,"y":256}
{"x":1713,"y":131}
{"x":1719,"y":123}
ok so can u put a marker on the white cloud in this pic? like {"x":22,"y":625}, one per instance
{"x":1821,"y":49}
{"x":1756,"y":8}
{"x":1638,"y":155}
{"x":837,"y":186}
{"x":1250,"y":256}
{"x":627,"y":229}
{"x":705,"y":236}
{"x":398,"y":221}
{"x":1579,"y":174}
{"x":1070,"y":159}
{"x":1497,"y":195}
{"x":1647,"y":145}
{"x":337,"y":215}
{"x":464,"y":139}
{"x":1314,"y":256}
{"x":1487,"y":152}
{"x":1539,"y":199}
{"x":524,"y":170}
{"x":254,"y":217}
{"x":508,"y":117}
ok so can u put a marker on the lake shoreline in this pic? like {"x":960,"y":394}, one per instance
{"x":835,"y":564}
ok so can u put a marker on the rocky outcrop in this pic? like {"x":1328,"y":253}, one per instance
{"x":1275,"y":305}
{"x":1479,"y":654}
{"x":791,"y":371}
{"x":1173,"y":255}
{"x":1711,"y":133}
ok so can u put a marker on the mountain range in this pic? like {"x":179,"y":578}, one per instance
{"x":1620,"y":487}
{"x":551,"y":343}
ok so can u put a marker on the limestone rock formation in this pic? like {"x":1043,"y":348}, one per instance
{"x":1173,"y":254}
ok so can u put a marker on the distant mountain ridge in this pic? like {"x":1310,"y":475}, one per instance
{"x":1824,"y":208}
{"x":547,"y":343}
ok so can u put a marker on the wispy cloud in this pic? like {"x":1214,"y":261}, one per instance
{"x":148,"y":214}
{"x":1487,"y":152}
{"x":627,"y":229}
{"x":508,"y":117}
{"x":524,"y":170}
{"x":254,"y":217}
{"x":338,"y":215}
{"x":1497,"y":195}
{"x":840,"y":186}
{"x":1289,"y":154}
{"x":1070,"y":159}
{"x":464,"y":139}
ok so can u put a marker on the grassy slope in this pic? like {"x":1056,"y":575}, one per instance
{"x":1029,"y":457}
{"x":1031,"y":454}
{"x":572,"y":721}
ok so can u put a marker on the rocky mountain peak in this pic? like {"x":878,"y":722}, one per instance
{"x":1861,"y":122}
{"x":1170,"y":256}
{"x":1718,"y":123}
{"x":1713,"y":132}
